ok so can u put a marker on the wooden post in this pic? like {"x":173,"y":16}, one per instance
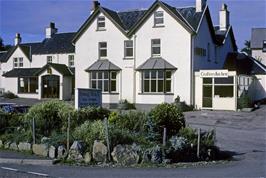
{"x":33,"y":131}
{"x":198,"y":145}
{"x":107,"y":138}
{"x":164,"y":141}
{"x":68,"y":130}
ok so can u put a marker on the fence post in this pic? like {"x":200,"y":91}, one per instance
{"x":33,"y":131}
{"x":164,"y":141}
{"x":107,"y":138}
{"x":68,"y":129}
{"x":198,"y":145}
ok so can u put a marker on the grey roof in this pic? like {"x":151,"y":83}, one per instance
{"x":257,"y":37}
{"x":3,"y":56}
{"x":21,"y":72}
{"x":243,"y":64}
{"x":156,"y":63}
{"x":61,"y":68}
{"x":102,"y":65}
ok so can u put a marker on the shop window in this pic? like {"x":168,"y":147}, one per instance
{"x":28,"y":85}
{"x":223,"y":91}
{"x":104,"y":80}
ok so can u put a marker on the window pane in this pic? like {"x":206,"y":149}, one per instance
{"x":106,"y":85}
{"x":207,"y":80}
{"x":100,"y":75}
{"x":33,"y":85}
{"x":101,"y":18}
{"x":100,"y":84}
{"x":129,"y":51}
{"x":93,"y":75}
{"x":156,"y":50}
{"x":160,"y":74}
{"x":156,"y":41}
{"x":129,"y":44}
{"x":159,"y":21}
{"x":153,"y":74}
{"x":160,"y":85}
{"x":153,"y":85}
{"x":103,"y":52}
{"x":147,"y":74}
{"x":224,"y":91}
{"x":93,"y":84}
{"x":106,"y":75}
{"x":168,"y":86}
{"x":168,"y":74}
{"x":113,"y":75}
{"x":113,"y":85}
{"x":103,"y":45}
{"x":101,"y":24}
{"x":229,"y":80}
{"x":146,"y":86}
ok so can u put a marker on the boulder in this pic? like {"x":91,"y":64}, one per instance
{"x":1,"y":144}
{"x":99,"y":152}
{"x":87,"y":157}
{"x":61,"y":151}
{"x":24,"y":146}
{"x":76,"y":151}
{"x":13,"y":146}
{"x":7,"y":144}
{"x":52,"y":152}
{"x":153,"y":155}
{"x":40,"y":149}
{"x":126,"y":154}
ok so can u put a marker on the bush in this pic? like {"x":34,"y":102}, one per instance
{"x":57,"y":139}
{"x":88,"y":132}
{"x":91,"y":114}
{"x":119,"y":136}
{"x":168,"y":116}
{"x":182,"y":106}
{"x":133,"y":120}
{"x":244,"y":101}
{"x":9,"y":95}
{"x":50,"y":116}
{"x":125,"y":105}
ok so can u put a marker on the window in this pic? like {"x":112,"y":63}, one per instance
{"x":158,"y":18}
{"x":102,"y":50}
{"x":155,"y":47}
{"x":264,"y":46}
{"x":71,"y":60}
{"x":101,"y":23}
{"x":200,"y":51}
{"x":104,"y":80}
{"x":49,"y":59}
{"x":129,"y":48}
{"x":28,"y":85}
{"x":156,"y":81}
{"x":18,"y":62}
{"x":224,"y":87}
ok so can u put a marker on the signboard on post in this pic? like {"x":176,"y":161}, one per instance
{"x":88,"y":97}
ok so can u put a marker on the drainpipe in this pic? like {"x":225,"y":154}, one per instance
{"x":134,"y":71}
{"x":192,"y":83}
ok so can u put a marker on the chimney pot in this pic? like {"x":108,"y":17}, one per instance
{"x":200,"y":5}
{"x":51,"y":30}
{"x":224,"y":18}
{"x":95,"y":4}
{"x":17,"y":40}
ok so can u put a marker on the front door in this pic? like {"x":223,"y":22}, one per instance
{"x":207,"y":93}
{"x":50,"y":86}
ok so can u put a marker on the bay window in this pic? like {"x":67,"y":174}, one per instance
{"x":104,"y":80}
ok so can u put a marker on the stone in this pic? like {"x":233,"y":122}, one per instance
{"x":99,"y":152}
{"x":153,"y":155}
{"x":61,"y":151}
{"x":24,"y":146}
{"x":87,"y":157}
{"x":52,"y":152}
{"x":13,"y":146}
{"x":126,"y":154}
{"x":75,"y":151}
{"x":40,"y":149}
{"x":1,"y":144}
{"x":45,"y":139}
{"x":7,"y":144}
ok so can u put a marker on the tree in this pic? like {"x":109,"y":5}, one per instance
{"x":3,"y":47}
{"x":247,"y":49}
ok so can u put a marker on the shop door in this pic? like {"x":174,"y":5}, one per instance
{"x":50,"y":86}
{"x":207,"y":93}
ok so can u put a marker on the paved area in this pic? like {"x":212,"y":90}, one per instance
{"x":239,"y":132}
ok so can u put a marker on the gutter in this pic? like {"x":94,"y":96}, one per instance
{"x":134,"y":71}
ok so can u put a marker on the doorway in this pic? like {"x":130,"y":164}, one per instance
{"x":50,"y":86}
{"x":207,"y":93}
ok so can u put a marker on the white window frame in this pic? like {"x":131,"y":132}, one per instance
{"x":126,"y":46}
{"x":49,"y":59}
{"x":18,"y":62}
{"x":102,"y":48}
{"x":103,"y":80}
{"x":71,"y":60}
{"x":155,"y":46}
{"x":158,"y":15}
{"x":101,"y":20}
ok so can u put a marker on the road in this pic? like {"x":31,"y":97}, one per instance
{"x":242,"y":133}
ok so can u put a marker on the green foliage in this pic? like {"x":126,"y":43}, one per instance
{"x":57,"y":139}
{"x":120,"y":136}
{"x":89,"y":131}
{"x":50,"y":116}
{"x":168,"y":116}
{"x":132,"y":120}
{"x":182,"y":106}
{"x":11,"y":121}
{"x":190,"y":134}
{"x":9,"y":95}
{"x":244,"y":101}
{"x":126,"y":105}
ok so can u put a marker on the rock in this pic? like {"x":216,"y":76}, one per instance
{"x":24,"y":146}
{"x":52,"y":152}
{"x":153,"y":155}
{"x":99,"y":152}
{"x":13,"y":146}
{"x":61,"y":151}
{"x":75,"y":151}
{"x":45,"y":139}
{"x":40,"y":149}
{"x":7,"y":144}
{"x":87,"y":157}
{"x":1,"y":144}
{"x":126,"y":154}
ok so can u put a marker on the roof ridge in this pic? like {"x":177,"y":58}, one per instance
{"x":132,"y":10}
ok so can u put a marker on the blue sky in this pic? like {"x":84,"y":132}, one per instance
{"x":30,"y":17}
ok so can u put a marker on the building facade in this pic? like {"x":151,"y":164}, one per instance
{"x":258,"y":44}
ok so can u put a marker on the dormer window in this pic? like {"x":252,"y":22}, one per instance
{"x":158,"y":18}
{"x":264,"y":46}
{"x":18,"y":62}
{"x":49,"y":59}
{"x":101,"y":23}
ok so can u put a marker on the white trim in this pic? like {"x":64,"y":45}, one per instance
{"x":201,"y":19}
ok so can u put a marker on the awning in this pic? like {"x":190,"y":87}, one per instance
{"x":61,"y":68}
{"x":21,"y":72}
{"x":102,"y":65}
{"x":156,"y":64}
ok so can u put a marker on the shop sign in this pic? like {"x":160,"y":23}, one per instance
{"x":89,"y":97}
{"x":213,"y":73}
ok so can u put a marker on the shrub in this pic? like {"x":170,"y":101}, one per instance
{"x":91,"y":114}
{"x":88,"y":132}
{"x":119,"y":136}
{"x":168,"y":116}
{"x":50,"y":116}
{"x":244,"y":101}
{"x":57,"y":139}
{"x":125,"y":105}
{"x":182,"y":105}
{"x":9,"y":95}
{"x":133,"y":120}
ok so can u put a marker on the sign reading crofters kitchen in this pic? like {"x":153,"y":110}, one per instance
{"x":214,"y":73}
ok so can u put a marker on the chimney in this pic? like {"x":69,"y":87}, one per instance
{"x":200,"y":5}
{"x":95,"y":5}
{"x":224,"y":18}
{"x":51,"y":30}
{"x":17,"y":40}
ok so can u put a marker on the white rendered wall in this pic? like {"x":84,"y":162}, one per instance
{"x":258,"y":54}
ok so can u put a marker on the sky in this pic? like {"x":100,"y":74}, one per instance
{"x":31,"y":17}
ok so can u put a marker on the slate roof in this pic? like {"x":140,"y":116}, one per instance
{"x":156,"y":63}
{"x":21,"y":72}
{"x":243,"y":64}
{"x":3,"y":56}
{"x":257,"y":37}
{"x":61,"y":68}
{"x":102,"y":65}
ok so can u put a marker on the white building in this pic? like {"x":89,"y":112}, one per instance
{"x":258,"y":44}
{"x":40,"y":70}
